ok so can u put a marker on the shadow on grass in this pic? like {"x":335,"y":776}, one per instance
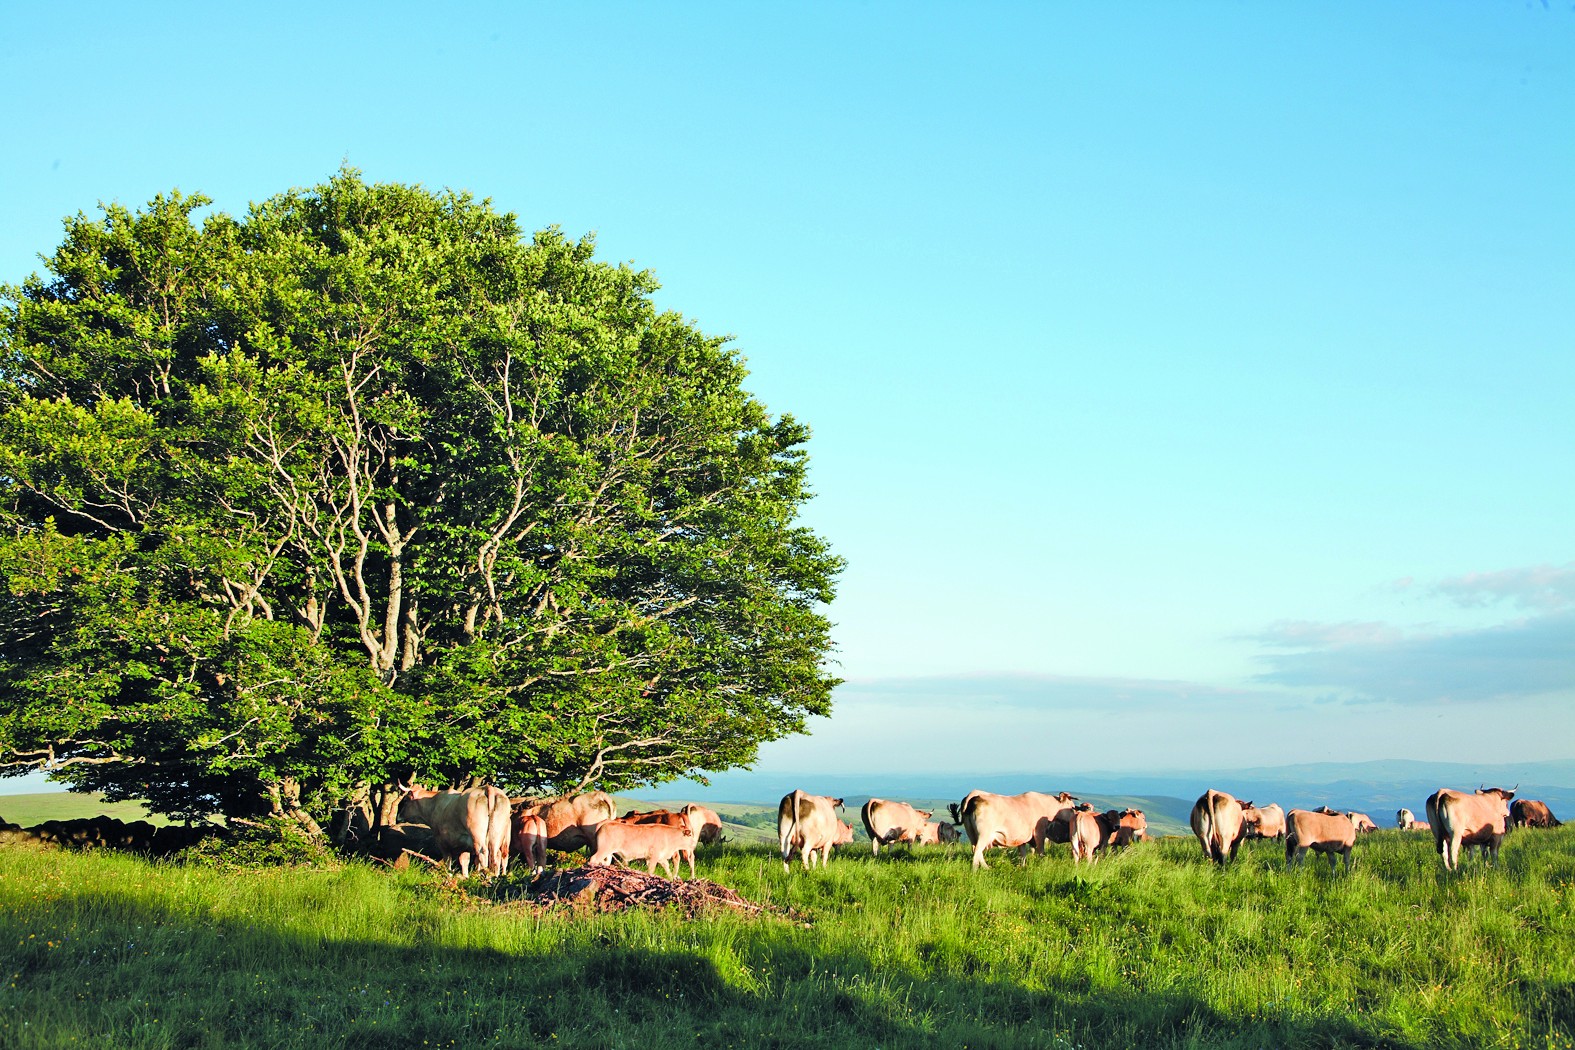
{"x":91,"y":970}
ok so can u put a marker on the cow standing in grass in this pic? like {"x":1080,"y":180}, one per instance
{"x":461,"y":822}
{"x":891,"y":822}
{"x":1322,"y":832}
{"x":808,"y":823}
{"x":1458,"y":819}
{"x":654,"y":843}
{"x":1263,"y":822}
{"x":1012,"y":821}
{"x":571,"y":822}
{"x":1531,"y":813}
{"x":1217,"y":822}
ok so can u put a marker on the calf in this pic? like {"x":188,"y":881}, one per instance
{"x":1327,"y":833}
{"x":653,"y":843}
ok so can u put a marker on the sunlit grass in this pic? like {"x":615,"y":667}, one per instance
{"x":1153,"y":948}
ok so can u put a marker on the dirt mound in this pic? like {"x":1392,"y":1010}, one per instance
{"x":604,"y":887}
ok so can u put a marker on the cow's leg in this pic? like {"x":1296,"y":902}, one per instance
{"x":1347,"y":852}
{"x":978,"y":854}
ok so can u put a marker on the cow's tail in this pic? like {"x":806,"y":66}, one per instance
{"x":787,"y":823}
{"x":966,"y":815}
{"x":867,"y":814}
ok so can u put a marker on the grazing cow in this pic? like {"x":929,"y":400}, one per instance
{"x":1405,"y":820}
{"x":1217,"y":822}
{"x":1012,"y":820}
{"x":655,"y":843}
{"x":1459,"y":819}
{"x":1085,"y":834}
{"x":807,"y":823}
{"x":709,"y":822}
{"x":891,"y":822}
{"x":571,"y":821}
{"x":461,"y":822}
{"x":933,"y":834}
{"x":528,"y":841}
{"x":1531,"y":813}
{"x":1362,"y":822}
{"x":1327,"y":833}
{"x":1122,"y":827}
{"x":1263,"y":822}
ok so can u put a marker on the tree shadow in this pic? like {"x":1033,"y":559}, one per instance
{"x":100,"y":969}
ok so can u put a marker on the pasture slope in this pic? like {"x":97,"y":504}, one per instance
{"x":1152,"y":948}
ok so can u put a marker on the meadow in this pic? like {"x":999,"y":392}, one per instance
{"x":1152,"y":948}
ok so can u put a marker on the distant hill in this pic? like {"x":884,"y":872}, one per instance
{"x":28,"y":810}
{"x":1376,"y":788}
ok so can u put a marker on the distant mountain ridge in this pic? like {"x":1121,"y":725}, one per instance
{"x":1377,"y":788}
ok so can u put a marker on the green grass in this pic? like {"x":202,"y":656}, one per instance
{"x":1152,"y":949}
{"x":27,"y":810}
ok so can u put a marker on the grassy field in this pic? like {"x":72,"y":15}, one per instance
{"x":1151,"y":949}
{"x":27,"y":810}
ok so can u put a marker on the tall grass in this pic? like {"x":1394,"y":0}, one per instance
{"x":1153,"y":948}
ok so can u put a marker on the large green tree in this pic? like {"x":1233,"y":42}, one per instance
{"x":368,"y":483}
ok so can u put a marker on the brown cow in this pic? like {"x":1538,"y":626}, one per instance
{"x":461,"y":822}
{"x":571,"y":821}
{"x":1122,"y":827}
{"x":936,"y":834}
{"x":1218,"y":824}
{"x":528,"y":841}
{"x":1361,"y":821}
{"x":710,"y":823}
{"x":1085,"y":833}
{"x":1459,"y":819}
{"x":1531,"y":813}
{"x":1263,"y":822}
{"x":498,"y":831}
{"x":1012,"y":820}
{"x":653,"y":843}
{"x":892,"y":822}
{"x":807,"y":823}
{"x":1328,"y":833}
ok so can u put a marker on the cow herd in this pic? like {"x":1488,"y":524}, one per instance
{"x":1456,"y":819}
{"x":484,"y":827}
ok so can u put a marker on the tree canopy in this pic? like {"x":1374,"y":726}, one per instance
{"x":366,"y":483}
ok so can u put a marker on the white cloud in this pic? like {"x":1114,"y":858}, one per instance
{"x":1546,"y":588}
{"x":1521,"y":659}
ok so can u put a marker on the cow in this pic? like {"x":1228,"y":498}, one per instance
{"x":498,"y":830}
{"x":1217,"y":822}
{"x":709,"y":822}
{"x":1085,"y":833}
{"x":461,"y":822}
{"x":1263,"y":822}
{"x":1322,"y":832}
{"x":935,"y":833}
{"x":1012,"y":820}
{"x":1530,"y":813}
{"x":654,"y":843}
{"x":808,"y":823}
{"x":571,"y":821}
{"x":1459,"y":819}
{"x":1362,"y":822}
{"x":528,"y":841}
{"x":891,"y":822}
{"x":1404,"y":819}
{"x":1122,"y":827}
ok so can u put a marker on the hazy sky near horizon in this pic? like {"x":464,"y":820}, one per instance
{"x":1183,"y":378}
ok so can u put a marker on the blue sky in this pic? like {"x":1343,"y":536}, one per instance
{"x":1180,"y":375}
